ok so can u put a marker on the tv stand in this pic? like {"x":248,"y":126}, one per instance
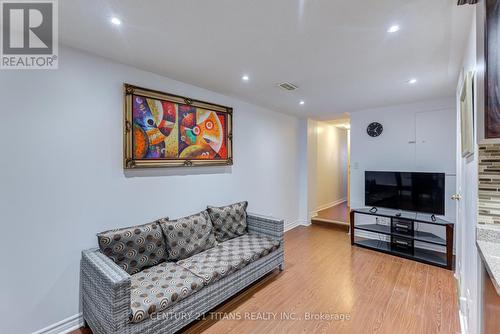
{"x":402,"y":235}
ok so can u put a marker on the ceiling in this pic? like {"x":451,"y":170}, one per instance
{"x":338,"y":52}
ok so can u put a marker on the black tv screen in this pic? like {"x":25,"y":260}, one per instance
{"x":420,"y":192}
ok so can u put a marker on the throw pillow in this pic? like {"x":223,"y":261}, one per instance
{"x":188,"y":236}
{"x":229,"y":221}
{"x":134,"y":248}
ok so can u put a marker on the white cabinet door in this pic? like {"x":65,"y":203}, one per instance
{"x":435,"y":141}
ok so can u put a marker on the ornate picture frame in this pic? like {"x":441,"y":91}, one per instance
{"x":166,"y":130}
{"x":467,"y":115}
{"x":492,"y":77}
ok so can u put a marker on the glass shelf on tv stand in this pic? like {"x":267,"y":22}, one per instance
{"x":418,"y":254}
{"x":391,"y":213}
{"x":417,"y":235}
{"x":428,"y":247}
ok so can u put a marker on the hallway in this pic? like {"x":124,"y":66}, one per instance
{"x":338,"y":214}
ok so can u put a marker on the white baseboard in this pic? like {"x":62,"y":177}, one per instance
{"x":64,"y":326}
{"x":291,"y":225}
{"x":463,"y":327}
{"x":329,"y":205}
{"x":332,"y":221}
{"x":314,"y":213}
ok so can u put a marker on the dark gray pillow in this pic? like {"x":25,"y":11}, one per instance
{"x":134,"y":248}
{"x":188,"y":236}
{"x":229,"y":221}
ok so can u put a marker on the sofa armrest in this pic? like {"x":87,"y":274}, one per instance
{"x":105,"y":289}
{"x":108,"y":270}
{"x":266,"y":225}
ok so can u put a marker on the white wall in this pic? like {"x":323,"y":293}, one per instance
{"x":327,"y":146}
{"x":401,"y":147}
{"x":418,"y":137}
{"x":62,"y":180}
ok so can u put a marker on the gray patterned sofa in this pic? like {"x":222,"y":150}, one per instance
{"x":159,"y":277}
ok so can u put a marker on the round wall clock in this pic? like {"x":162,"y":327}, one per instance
{"x":374,"y":129}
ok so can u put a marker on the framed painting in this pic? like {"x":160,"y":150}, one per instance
{"x":165,"y":130}
{"x":492,"y":75}
{"x":467,"y":115}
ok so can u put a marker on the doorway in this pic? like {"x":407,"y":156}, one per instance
{"x":328,"y":187}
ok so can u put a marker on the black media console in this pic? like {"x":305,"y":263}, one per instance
{"x":405,"y":234}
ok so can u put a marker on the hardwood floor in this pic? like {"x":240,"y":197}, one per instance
{"x":326,"y":277}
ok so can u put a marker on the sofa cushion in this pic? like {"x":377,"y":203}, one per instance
{"x":159,"y":287}
{"x":134,"y":248}
{"x":229,"y":221}
{"x":252,"y":246}
{"x":213,"y":264}
{"x":188,"y":236}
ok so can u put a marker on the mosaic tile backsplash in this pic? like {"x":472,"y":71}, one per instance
{"x":489,"y":184}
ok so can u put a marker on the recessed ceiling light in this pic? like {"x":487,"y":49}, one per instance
{"x":245,"y":78}
{"x":302,"y":102}
{"x":412,"y":81}
{"x":394,"y":28}
{"x":116,"y":21}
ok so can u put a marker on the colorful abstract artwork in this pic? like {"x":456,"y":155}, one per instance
{"x":167,"y":130}
{"x":492,"y":71}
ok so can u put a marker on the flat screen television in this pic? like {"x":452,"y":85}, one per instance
{"x":420,"y":192}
